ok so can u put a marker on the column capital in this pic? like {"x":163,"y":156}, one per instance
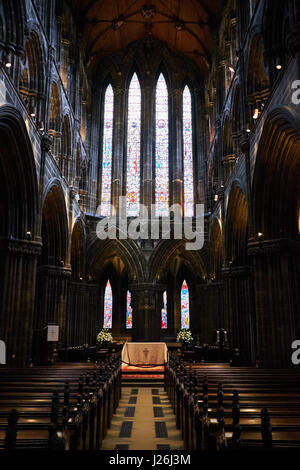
{"x":23,"y":247}
{"x":279,"y":245}
{"x":46,"y":142}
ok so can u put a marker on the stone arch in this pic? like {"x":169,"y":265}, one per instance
{"x":19,"y":199}
{"x":258,"y":83}
{"x":78,"y":251}
{"x":19,"y":239}
{"x":54,"y":226}
{"x":55,"y":119}
{"x":236,"y":228}
{"x":229,"y":151}
{"x":275,"y":189}
{"x":216,"y":250}
{"x":66,"y":147}
{"x":99,"y":251}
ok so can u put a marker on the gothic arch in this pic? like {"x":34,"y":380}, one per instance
{"x":78,"y":251}
{"x":100,"y":251}
{"x":236,"y":228}
{"x":216,"y":250}
{"x":275,"y":193}
{"x":19,"y":197}
{"x":54,"y":226}
{"x":167,"y":251}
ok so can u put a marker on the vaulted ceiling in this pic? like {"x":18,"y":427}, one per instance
{"x":188,"y":26}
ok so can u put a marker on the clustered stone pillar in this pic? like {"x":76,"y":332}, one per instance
{"x":146,"y":301}
{"x":17,"y":302}
{"x":117,"y":169}
{"x":52,"y":290}
{"x":277,"y":274}
{"x":177,"y":148}
{"x":82,"y":323}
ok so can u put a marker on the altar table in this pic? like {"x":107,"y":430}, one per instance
{"x":138,"y":354}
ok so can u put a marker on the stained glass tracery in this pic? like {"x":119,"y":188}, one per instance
{"x":133,"y":147}
{"x":162,"y":148}
{"x":107,"y":151}
{"x":164,"y":312}
{"x":188,"y":185}
{"x":128,"y":311}
{"x":185,"y":306}
{"x":108,"y":306}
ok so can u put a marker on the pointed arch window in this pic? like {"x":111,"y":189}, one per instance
{"x":164,"y":312}
{"x":162,"y":148}
{"x":188,"y":183}
{"x":185,"y":306}
{"x":107,"y":151}
{"x":128,"y":311}
{"x":108,"y":303}
{"x":133,"y":148}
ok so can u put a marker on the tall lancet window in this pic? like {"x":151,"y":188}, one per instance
{"x":188,"y":185}
{"x":108,"y":303}
{"x":162,"y":148}
{"x":107,"y":151}
{"x":133,"y":147}
{"x":164,"y":311}
{"x":128,"y":311}
{"x":185,"y":306}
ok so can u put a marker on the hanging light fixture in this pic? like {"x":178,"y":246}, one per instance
{"x":256,"y":113}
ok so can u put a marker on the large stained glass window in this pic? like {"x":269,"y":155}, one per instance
{"x":185,"y":306}
{"x":164,"y":312}
{"x":188,"y":185}
{"x":107,"y":306}
{"x":133,"y":147}
{"x":162,"y":148}
{"x":107,"y":151}
{"x":128,"y":311}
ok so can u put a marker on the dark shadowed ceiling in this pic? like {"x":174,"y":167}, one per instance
{"x":187,"y":26}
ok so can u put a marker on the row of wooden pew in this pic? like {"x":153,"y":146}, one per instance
{"x":62,"y":407}
{"x":221,"y":407}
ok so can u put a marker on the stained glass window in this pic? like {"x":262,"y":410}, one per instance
{"x":107,"y":151}
{"x":188,"y":185}
{"x":107,"y":306}
{"x":185,"y":306}
{"x":128,"y":311}
{"x":164,"y":315}
{"x":162,"y":148}
{"x":133,"y":147}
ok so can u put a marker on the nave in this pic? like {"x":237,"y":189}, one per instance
{"x":196,"y":407}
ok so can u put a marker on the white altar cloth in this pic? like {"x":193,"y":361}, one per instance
{"x":138,"y":354}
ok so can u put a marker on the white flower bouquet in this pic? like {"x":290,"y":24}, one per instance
{"x":104,"y":336}
{"x":184,"y":336}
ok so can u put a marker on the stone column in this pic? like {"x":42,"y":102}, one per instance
{"x":201,"y":139}
{"x":146,"y":301}
{"x":277,"y":278}
{"x":52,"y":292}
{"x":81,"y":320}
{"x":242,"y":319}
{"x":118,"y":148}
{"x":19,"y":261}
{"x":177,"y":147}
{"x":148,"y":183}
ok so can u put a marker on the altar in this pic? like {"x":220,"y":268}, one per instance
{"x":142,"y":354}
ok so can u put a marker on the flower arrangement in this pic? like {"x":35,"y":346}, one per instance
{"x":104,"y":336}
{"x":184,"y":336}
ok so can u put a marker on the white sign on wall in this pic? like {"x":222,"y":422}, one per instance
{"x":52,"y":332}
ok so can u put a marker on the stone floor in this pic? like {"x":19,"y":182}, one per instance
{"x":144,"y":421}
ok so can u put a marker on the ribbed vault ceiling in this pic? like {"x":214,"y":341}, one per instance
{"x":187,"y":26}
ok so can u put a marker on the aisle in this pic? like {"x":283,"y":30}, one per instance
{"x":144,"y":421}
